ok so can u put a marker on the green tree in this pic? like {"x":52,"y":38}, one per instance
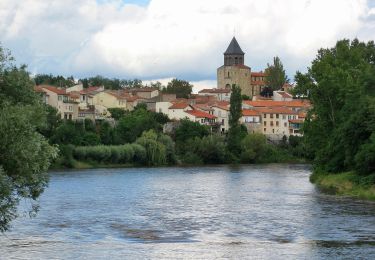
{"x":25,"y":154}
{"x":186,"y":131}
{"x":117,"y":113}
{"x":340,"y":84}
{"x":276,"y":77}
{"x":156,"y":151}
{"x":236,"y":131}
{"x":181,"y":88}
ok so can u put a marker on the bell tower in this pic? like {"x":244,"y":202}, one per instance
{"x":234,"y":55}
{"x":234,"y":70}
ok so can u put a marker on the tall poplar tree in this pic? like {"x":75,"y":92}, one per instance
{"x":236,"y":132}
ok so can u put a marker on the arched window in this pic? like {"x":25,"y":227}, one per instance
{"x":236,"y":60}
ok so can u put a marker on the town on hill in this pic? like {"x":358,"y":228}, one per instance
{"x":274,"y":113}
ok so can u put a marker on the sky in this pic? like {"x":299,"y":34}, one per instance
{"x":162,"y":39}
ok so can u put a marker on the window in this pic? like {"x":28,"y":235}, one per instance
{"x":59,"y":98}
{"x":222,"y":121}
{"x":285,"y":124}
{"x":228,"y":74}
{"x":265,"y":123}
{"x":273,"y":130}
{"x":264,"y":129}
{"x":271,"y":115}
{"x":265,"y":116}
{"x":277,"y":123}
{"x":271,"y":123}
{"x":284,"y":117}
{"x":277,"y":115}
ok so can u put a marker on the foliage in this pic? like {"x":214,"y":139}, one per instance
{"x":128,"y":153}
{"x":58,"y":81}
{"x":340,"y":85}
{"x":186,"y":131}
{"x":276,"y":77}
{"x":208,"y":149}
{"x":236,"y":131}
{"x":117,"y":113}
{"x":181,"y":88}
{"x":155,"y":150}
{"x":25,"y":154}
{"x":253,"y":148}
{"x":133,"y":124}
{"x":245,"y":97}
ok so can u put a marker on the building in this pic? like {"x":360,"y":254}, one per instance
{"x":221,"y":94}
{"x":58,"y":98}
{"x":234,"y":70}
{"x":258,"y":83}
{"x":252,"y":119}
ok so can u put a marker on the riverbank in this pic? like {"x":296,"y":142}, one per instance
{"x":346,"y":184}
{"x":78,"y":165}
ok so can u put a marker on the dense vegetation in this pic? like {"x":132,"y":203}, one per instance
{"x":25,"y":154}
{"x":339,"y":131}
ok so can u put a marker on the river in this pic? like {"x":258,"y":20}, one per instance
{"x":219,"y":212}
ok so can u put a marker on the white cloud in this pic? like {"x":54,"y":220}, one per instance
{"x":184,"y":38}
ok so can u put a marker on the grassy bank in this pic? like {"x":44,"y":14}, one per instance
{"x":346,"y":184}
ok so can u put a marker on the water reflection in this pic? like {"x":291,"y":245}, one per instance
{"x":268,"y":211}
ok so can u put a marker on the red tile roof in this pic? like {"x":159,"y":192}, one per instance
{"x":277,"y":110}
{"x":59,"y":91}
{"x":258,"y":74}
{"x":200,"y":114}
{"x":181,"y":105}
{"x":271,"y":103}
{"x":89,"y":89}
{"x":250,"y":112}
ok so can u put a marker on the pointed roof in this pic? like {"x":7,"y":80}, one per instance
{"x":234,"y":48}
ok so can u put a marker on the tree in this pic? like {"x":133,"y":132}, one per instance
{"x":236,"y":131}
{"x":155,"y":150}
{"x":340,"y":84}
{"x":188,"y":130}
{"x":25,"y":154}
{"x":276,"y":77}
{"x":181,"y":88}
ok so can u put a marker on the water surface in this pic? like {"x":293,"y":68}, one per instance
{"x":258,"y":212}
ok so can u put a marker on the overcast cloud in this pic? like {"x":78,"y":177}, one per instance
{"x":170,"y":38}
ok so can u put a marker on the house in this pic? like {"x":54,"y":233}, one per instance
{"x":258,"y":82}
{"x":275,"y":121}
{"x":201,"y":117}
{"x":220,"y":93}
{"x":252,"y":119}
{"x":145,"y":93}
{"x":59,"y":99}
{"x":163,"y":97}
{"x":281,"y":96}
{"x":222,"y":114}
{"x":113,"y":99}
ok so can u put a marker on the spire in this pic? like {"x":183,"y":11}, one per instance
{"x":234,"y":48}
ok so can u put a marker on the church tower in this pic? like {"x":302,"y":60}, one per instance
{"x":234,"y":70}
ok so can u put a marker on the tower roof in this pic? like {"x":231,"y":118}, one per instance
{"x":234,"y":48}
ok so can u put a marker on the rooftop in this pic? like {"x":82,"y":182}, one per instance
{"x":234,"y":48}
{"x":200,"y":114}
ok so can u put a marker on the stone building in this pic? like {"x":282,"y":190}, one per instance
{"x":234,"y":70}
